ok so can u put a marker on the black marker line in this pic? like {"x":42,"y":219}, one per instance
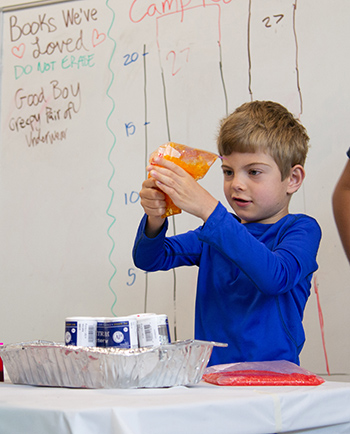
{"x":297,"y":56}
{"x":165,"y":105}
{"x":222,"y":79}
{"x":174,"y":300}
{"x":146,"y":152}
{"x":249,"y":55}
{"x":173,"y":217}
{"x":145,"y":100}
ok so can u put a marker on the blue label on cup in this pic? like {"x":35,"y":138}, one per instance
{"x":115,"y":334}
{"x":71,"y":333}
{"x":80,"y":331}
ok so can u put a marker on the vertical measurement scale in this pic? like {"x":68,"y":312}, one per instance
{"x":173,"y":217}
{"x":131,"y":114}
{"x":146,"y":150}
{"x":182,"y":60}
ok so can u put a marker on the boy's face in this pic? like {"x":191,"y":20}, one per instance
{"x":254,"y":189}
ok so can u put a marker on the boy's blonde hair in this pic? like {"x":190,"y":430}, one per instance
{"x":265,"y":126}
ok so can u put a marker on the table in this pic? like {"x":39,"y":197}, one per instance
{"x":203,"y":408}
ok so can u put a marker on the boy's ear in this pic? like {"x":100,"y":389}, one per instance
{"x":296,"y":178}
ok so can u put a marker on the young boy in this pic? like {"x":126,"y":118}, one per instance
{"x":255,"y":268}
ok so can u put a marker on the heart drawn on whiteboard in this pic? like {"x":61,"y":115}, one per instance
{"x":97,"y":38}
{"x":19,"y":51}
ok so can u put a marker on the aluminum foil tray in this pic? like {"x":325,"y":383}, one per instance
{"x":42,"y":363}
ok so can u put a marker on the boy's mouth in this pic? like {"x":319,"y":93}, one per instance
{"x":241,"y":202}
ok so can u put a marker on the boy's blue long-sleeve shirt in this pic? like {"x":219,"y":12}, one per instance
{"x":254,"y":280}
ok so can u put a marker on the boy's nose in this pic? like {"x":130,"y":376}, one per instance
{"x":237,"y":184}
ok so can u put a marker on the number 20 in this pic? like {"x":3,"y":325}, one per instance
{"x":130,"y":58}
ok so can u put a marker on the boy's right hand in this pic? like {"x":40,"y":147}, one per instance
{"x":152,"y":199}
{"x":153,"y":203}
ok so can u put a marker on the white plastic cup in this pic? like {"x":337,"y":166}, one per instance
{"x":153,"y":330}
{"x":120,"y":332}
{"x":81,"y":331}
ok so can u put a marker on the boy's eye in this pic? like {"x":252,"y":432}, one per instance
{"x":254,"y":172}
{"x":227,"y":172}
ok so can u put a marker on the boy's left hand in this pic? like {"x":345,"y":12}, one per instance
{"x":181,"y":187}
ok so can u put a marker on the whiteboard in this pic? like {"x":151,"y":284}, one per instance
{"x":89,"y":89}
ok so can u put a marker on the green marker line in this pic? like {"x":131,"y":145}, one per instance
{"x":110,"y":162}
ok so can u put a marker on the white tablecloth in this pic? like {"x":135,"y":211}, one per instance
{"x":179,"y":410}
